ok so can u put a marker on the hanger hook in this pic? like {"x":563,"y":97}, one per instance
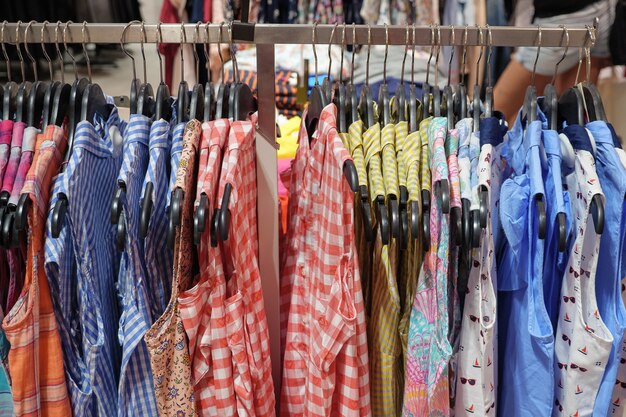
{"x":143,"y":38}
{"x":532,"y":78}
{"x":413,"y":56}
{"x":19,"y":50}
{"x":591,"y":40}
{"x":183,"y":40}
{"x":84,"y":32}
{"x":437,"y":27}
{"x":369,"y":48}
{"x":343,"y":48}
{"x":44,"y":30}
{"x":233,"y":53}
{"x":490,"y":49}
{"x":219,"y":50}
{"x":386,"y":50}
{"x":432,"y":45}
{"x":452,"y":42}
{"x":314,"y":51}
{"x":564,"y":36}
{"x":128,"y":54}
{"x":58,"y":49}
{"x":406,"y":52}
{"x":65,"y":28}
{"x":29,"y":27}
{"x":481,"y":42}
{"x":463,"y":65}
{"x":196,"y":38}
{"x":330,"y":57}
{"x":353,"y":52}
{"x":159,"y":40}
{"x":206,"y":50}
{"x":4,"y":52}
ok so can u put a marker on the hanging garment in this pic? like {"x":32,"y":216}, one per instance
{"x":246,"y":323}
{"x":36,"y":358}
{"x":202,"y":306}
{"x":384,"y":340}
{"x":557,"y":201}
{"x":583,"y":343}
{"x":6,"y":135}
{"x":26,"y":160}
{"x":81,"y":265}
{"x":612,"y":176}
{"x":136,"y":388}
{"x":464,"y":127}
{"x":158,"y":254}
{"x":166,"y":339}
{"x":426,"y":385}
{"x":476,"y":360}
{"x":14,"y":157}
{"x":6,"y":398}
{"x":525,"y":335}
{"x":176,"y":152}
{"x":454,"y":307}
{"x":409,"y":168}
{"x":326,"y":362}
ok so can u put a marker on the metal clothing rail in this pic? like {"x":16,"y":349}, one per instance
{"x":292,"y":34}
{"x":266,"y":36}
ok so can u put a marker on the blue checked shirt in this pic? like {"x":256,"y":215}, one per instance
{"x":158,"y":255}
{"x":175,"y":154}
{"x":136,"y":389}
{"x":612,"y":176}
{"x":82,"y":264}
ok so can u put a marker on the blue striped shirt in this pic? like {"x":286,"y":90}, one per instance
{"x":158,"y":255}
{"x":175,"y":154}
{"x":136,"y":389}
{"x":82,"y":264}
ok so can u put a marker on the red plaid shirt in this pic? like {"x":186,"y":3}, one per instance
{"x":246,"y":323}
{"x":326,"y":361}
{"x":202,"y":307}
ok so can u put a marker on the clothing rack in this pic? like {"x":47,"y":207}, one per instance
{"x":265,"y":36}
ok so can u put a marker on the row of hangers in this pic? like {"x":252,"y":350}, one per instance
{"x":579,"y":104}
{"x":56,"y":102}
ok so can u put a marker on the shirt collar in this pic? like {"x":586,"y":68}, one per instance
{"x":138,"y":130}
{"x":6,"y":131}
{"x":492,"y":131}
{"x":100,"y":137}
{"x":160,"y":134}
{"x":579,"y":138}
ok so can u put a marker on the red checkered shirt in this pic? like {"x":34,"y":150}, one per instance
{"x":246,"y":323}
{"x":326,"y":361}
{"x":202,"y":307}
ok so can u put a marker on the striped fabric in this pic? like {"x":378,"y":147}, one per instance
{"x":6,"y":398}
{"x":26,"y":159}
{"x":6,"y":135}
{"x":176,"y":151}
{"x":82,"y":263}
{"x":36,"y":358}
{"x":166,"y":339}
{"x":372,"y":146}
{"x":158,"y":255}
{"x":425,"y":158}
{"x":326,"y":361}
{"x":202,"y":306}
{"x":246,"y":323}
{"x":384,"y":342}
{"x":356,"y":150}
{"x":136,"y":389}
{"x":401,"y":133}
{"x":14,"y":157}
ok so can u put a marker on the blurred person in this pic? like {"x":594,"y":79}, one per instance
{"x":511,"y":86}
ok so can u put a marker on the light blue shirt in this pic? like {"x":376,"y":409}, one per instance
{"x":612,"y":177}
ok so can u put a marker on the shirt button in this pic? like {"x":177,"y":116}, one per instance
{"x":322,"y":321}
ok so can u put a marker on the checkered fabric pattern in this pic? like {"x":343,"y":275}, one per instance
{"x":136,"y":388}
{"x":246,"y":323}
{"x":14,"y":156}
{"x":202,"y":306}
{"x":401,"y":133}
{"x":35,"y":358}
{"x":372,"y":146}
{"x":82,"y":266}
{"x":326,"y":361}
{"x":6,"y":135}
{"x":26,"y":160}
{"x":176,"y":151}
{"x":166,"y":339}
{"x":384,"y":342}
{"x":158,"y":255}
{"x":356,"y":150}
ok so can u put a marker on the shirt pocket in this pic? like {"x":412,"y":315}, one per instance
{"x":333,"y":320}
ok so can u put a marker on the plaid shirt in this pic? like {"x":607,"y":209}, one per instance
{"x":158,"y":255}
{"x":26,"y":159}
{"x":136,"y":389}
{"x":202,"y":306}
{"x":175,"y":154}
{"x":166,"y":339}
{"x":82,"y":263}
{"x":6,"y":135}
{"x":14,"y":157}
{"x":35,"y":358}
{"x":246,"y":324}
{"x":326,"y":368}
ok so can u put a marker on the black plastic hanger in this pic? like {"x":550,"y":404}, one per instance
{"x":9,"y":104}
{"x":196,"y":103}
{"x":476,"y":96}
{"x":23,"y":90}
{"x":489,"y":104}
{"x":209,"y":97}
{"x":182,"y":114}
{"x":222,"y":96}
{"x":35,"y":102}
{"x":435,"y":90}
{"x":327,"y":84}
{"x":52,"y":85}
